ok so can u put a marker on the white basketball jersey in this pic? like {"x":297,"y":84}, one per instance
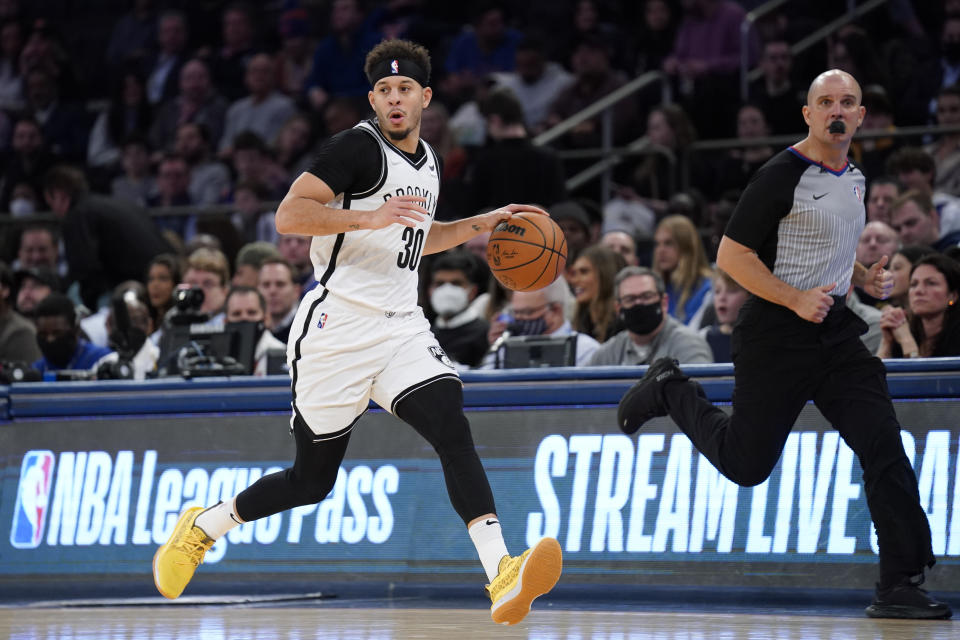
{"x":378,"y":268}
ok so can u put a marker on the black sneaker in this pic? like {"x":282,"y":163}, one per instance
{"x":907,"y":600}
{"x":645,"y":400}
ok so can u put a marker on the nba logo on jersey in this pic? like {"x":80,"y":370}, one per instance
{"x":322,"y":320}
{"x":33,"y":496}
{"x":857,"y":191}
{"x":394,"y":67}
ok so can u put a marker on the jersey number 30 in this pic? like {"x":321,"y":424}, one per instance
{"x":410,"y":255}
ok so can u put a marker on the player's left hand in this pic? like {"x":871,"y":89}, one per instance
{"x":878,"y":281}
{"x":485,"y":222}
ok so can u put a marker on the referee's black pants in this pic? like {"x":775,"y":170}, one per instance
{"x":780,"y":363}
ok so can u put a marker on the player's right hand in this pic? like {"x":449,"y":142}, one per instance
{"x":813,"y":305}
{"x":404,"y":210}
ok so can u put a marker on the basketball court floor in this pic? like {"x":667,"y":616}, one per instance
{"x":306,"y":618}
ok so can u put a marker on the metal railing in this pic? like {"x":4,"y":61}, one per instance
{"x":745,"y":28}
{"x":604,"y":107}
{"x":853,"y":12}
{"x":725,"y":144}
{"x":201,"y":211}
{"x":605,"y":103}
{"x":609,"y":158}
{"x":640,"y":146}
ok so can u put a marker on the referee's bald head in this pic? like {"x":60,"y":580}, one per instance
{"x":833,"y":74}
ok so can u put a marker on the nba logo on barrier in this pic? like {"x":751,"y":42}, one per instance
{"x":33,"y":494}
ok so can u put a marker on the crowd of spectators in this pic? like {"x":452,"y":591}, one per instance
{"x":144,"y":145}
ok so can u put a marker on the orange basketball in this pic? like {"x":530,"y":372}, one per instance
{"x":527,"y":252}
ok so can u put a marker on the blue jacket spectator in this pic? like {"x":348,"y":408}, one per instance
{"x":339,"y":58}
{"x":58,"y":337}
{"x":488,"y":47}
{"x":680,"y":259}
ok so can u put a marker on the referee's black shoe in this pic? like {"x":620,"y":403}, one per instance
{"x":907,"y":600}
{"x":645,"y":400}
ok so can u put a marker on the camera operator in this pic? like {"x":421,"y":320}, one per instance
{"x":246,"y":304}
{"x":58,"y":336}
{"x":207,"y":269}
{"x":128,"y":325}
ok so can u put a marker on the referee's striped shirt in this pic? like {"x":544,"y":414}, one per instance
{"x":803,"y":219}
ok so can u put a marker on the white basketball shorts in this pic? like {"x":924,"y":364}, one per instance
{"x":342,"y":355}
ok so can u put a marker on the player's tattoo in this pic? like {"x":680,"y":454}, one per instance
{"x":477,"y":227}
{"x":355,"y":227}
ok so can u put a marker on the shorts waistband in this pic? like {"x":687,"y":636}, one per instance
{"x":364,"y":310}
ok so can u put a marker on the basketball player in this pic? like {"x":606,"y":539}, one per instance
{"x":791,"y":242}
{"x":368,"y":201}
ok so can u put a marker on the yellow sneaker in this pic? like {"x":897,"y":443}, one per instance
{"x":523,"y":579}
{"x":175,"y":561}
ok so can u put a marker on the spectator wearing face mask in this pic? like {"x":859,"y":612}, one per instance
{"x":23,"y":200}
{"x":641,"y":303}
{"x":458,"y":326}
{"x":58,"y":336}
{"x":540,"y":313}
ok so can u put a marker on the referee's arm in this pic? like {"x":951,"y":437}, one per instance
{"x":744,"y":266}
{"x":304,"y":211}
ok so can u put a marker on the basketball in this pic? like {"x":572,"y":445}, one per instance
{"x":527,"y":252}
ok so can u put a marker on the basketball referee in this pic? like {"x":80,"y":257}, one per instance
{"x":369,"y":201}
{"x":791,"y":243}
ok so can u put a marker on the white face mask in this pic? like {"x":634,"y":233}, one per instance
{"x":22,"y":207}
{"x":448,"y":299}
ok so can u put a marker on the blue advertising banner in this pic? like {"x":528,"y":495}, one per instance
{"x":90,"y":499}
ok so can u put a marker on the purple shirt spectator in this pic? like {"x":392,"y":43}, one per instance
{"x":710,"y":34}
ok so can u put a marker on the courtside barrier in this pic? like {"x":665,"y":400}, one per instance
{"x":93,"y":475}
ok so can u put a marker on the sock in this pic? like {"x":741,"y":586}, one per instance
{"x":219,"y":519}
{"x":488,"y":539}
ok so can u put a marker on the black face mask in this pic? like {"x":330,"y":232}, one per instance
{"x":642,"y":318}
{"x":59,"y":350}
{"x":532,"y":327}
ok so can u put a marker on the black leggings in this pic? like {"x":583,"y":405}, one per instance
{"x":434,"y":411}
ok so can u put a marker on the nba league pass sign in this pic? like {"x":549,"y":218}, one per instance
{"x":648,"y":502}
